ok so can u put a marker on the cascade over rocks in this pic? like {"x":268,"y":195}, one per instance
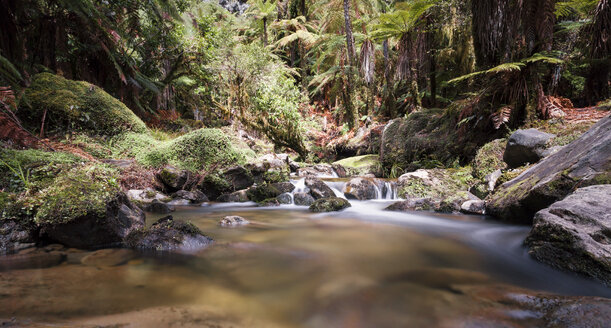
{"x":526,"y":146}
{"x":585,"y":161}
{"x":575,"y":233}
{"x":92,"y":230}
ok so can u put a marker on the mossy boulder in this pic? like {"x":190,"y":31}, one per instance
{"x":76,"y":105}
{"x":361,"y":165}
{"x":84,"y":208}
{"x":199,"y":150}
{"x":263,"y":192}
{"x":447,"y":188}
{"x":331,"y":204}
{"x":583,"y":162}
{"x":214,"y":185}
{"x":427,"y":139}
{"x":489,"y":158}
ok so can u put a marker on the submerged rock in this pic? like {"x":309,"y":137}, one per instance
{"x":108,"y":257}
{"x":94,"y":230}
{"x":331,"y":204}
{"x":232,"y":221}
{"x":526,"y":146}
{"x":303,"y":199}
{"x":575,"y":233}
{"x":318,"y":189}
{"x":168,"y":234}
{"x":583,"y":162}
{"x":361,"y":189}
{"x":32,"y":258}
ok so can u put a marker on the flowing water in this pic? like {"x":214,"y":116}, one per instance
{"x":363,"y":267}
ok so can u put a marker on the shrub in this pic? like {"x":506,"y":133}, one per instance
{"x":202,"y":149}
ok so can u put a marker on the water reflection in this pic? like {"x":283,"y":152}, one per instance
{"x":359,"y":268}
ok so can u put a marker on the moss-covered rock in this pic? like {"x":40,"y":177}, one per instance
{"x":214,"y":185}
{"x":76,"y":105}
{"x":331,"y":204}
{"x":489,"y":158}
{"x":361,"y":165}
{"x":584,"y":162}
{"x":275,"y":176}
{"x":31,"y":168}
{"x":76,"y":192}
{"x":196,"y":151}
{"x":427,"y":139}
{"x":263,"y":192}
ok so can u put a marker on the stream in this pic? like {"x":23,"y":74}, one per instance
{"x":362,"y":267}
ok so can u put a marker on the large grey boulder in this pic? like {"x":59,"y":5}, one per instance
{"x":526,"y":146}
{"x":94,"y":230}
{"x":575,"y":233}
{"x":238,"y":178}
{"x":361,"y":189}
{"x":586,"y":161}
{"x":318,"y":189}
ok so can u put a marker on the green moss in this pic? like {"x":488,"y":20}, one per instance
{"x":489,"y":158}
{"x":262,"y":192}
{"x":450,"y":182}
{"x":130,"y":145}
{"x":77,"y":105}
{"x":196,"y":151}
{"x":76,"y":192}
{"x":330,"y":204}
{"x":361,"y":165}
{"x":40,"y":167}
{"x":274,"y":176}
{"x":565,"y":132}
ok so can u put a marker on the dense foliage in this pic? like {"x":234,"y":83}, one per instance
{"x":351,"y":60}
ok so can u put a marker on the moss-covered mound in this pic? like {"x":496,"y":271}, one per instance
{"x":198,"y":150}
{"x":76,"y":105}
{"x":83,"y":190}
{"x":331,"y":204}
{"x":489,"y":158}
{"x":31,"y":169}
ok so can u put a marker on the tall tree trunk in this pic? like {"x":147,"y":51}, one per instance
{"x":351,"y":114}
{"x":597,"y":81}
{"x":265,"y":31}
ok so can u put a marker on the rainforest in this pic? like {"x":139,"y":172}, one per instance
{"x":293,"y":163}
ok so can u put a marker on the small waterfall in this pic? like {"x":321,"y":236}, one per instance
{"x":390,"y":190}
{"x":384,"y":190}
{"x":299,"y":185}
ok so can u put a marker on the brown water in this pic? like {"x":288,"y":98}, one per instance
{"x":359,"y":268}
